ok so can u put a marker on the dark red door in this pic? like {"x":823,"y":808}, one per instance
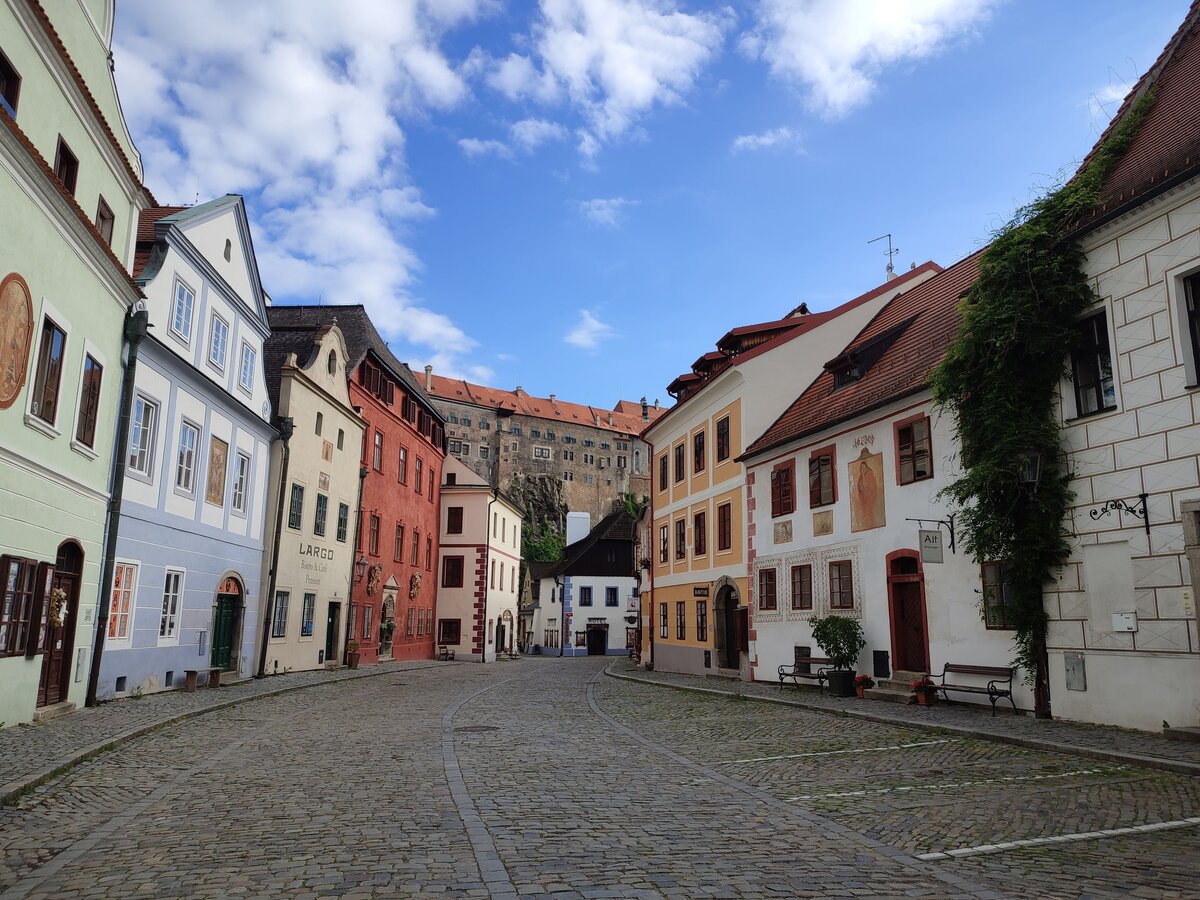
{"x":59,"y":612}
{"x":909,"y":622}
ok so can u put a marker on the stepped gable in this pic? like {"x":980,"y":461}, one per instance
{"x":906,"y":339}
{"x":1166,"y":149}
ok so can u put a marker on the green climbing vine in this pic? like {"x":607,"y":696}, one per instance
{"x":1000,"y":380}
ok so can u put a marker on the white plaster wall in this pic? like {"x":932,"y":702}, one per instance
{"x":209,"y":238}
{"x":155,"y":386}
{"x":613,"y":615}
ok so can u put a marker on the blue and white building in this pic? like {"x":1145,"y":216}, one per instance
{"x":186,"y":586}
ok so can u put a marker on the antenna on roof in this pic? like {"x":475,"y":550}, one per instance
{"x":891,"y":253}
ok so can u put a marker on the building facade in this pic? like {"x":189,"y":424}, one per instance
{"x":311,"y":508}
{"x":698,"y":598}
{"x":70,"y":194}
{"x":186,"y":590}
{"x":479,"y":566}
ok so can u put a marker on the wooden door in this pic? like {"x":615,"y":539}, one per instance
{"x":597,"y":641}
{"x":331,"y":628}
{"x":909,"y":622}
{"x":222,"y":642}
{"x":59,"y":640}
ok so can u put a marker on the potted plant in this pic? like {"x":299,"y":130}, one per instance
{"x":352,"y":654}
{"x":862,"y":683}
{"x":925,"y":690}
{"x":841,"y":640}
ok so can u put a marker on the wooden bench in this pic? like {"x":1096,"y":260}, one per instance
{"x":190,"y":677}
{"x":444,"y":652}
{"x":803,"y":668}
{"x":999,"y":682}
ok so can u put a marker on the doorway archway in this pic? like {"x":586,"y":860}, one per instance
{"x":227,"y":623}
{"x":906,"y":609}
{"x":730,"y":619}
{"x":60,"y":612}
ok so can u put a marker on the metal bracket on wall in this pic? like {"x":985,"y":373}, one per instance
{"x":1121,"y":506}
{"x":947,"y":523}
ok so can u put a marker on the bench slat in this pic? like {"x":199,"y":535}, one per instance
{"x":994,"y":671}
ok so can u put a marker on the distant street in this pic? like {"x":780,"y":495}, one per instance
{"x":545,"y":777}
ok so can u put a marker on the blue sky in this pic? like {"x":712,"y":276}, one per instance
{"x":581,"y":196}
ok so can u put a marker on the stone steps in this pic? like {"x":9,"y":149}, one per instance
{"x":1182,"y":733}
{"x":892,"y":696}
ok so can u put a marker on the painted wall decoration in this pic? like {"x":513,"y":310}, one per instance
{"x":218,"y":456}
{"x":16,"y":332}
{"x":823,"y":522}
{"x":866,"y":492}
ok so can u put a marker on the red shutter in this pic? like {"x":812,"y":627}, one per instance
{"x":775,"y":503}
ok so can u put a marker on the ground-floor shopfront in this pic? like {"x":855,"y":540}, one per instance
{"x":700,"y":627}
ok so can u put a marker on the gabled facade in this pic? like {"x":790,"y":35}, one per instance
{"x":313,"y":497}
{"x":695,"y":617}
{"x":479,"y":566}
{"x":186,"y":589}
{"x":70,"y":193}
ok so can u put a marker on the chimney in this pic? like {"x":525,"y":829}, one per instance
{"x":518,"y":391}
{"x":656,"y":403}
{"x":645,"y":410}
{"x":578,"y":526}
{"x":429,"y":378}
{"x":551,"y":398}
{"x":610,"y":420}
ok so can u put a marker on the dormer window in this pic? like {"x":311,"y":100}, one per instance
{"x":845,"y":374}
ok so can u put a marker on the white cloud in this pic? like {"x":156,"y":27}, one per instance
{"x":301,"y":110}
{"x":588,"y":331}
{"x":605,"y":211}
{"x":475,"y":148}
{"x":776,"y":137}
{"x":835,"y":49}
{"x":529,"y":134}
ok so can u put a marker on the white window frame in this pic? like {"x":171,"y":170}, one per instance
{"x":114,"y":612}
{"x":102,"y":361}
{"x":138,"y":427}
{"x":249,"y":358}
{"x":279,"y":615}
{"x":1177,"y":307}
{"x":31,"y":418}
{"x":190,"y":470}
{"x":168,"y":621}
{"x":184,"y":335}
{"x":219,"y":365}
{"x":308,"y":614}
{"x":241,"y":483}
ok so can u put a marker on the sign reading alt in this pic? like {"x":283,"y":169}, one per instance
{"x":931,"y":545}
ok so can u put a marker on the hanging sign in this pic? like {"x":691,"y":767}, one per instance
{"x":931,"y":545}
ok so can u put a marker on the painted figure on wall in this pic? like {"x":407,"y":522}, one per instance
{"x":866,"y":492}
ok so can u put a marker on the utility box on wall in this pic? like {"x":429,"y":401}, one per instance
{"x":1124,"y":621}
{"x":1076,"y":672}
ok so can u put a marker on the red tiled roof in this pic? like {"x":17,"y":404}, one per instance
{"x":460,"y":391}
{"x":145,"y":234}
{"x":931,"y":310}
{"x":1167,"y":145}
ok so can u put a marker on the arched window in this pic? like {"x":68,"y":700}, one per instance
{"x":331,"y":365}
{"x":228,"y":249}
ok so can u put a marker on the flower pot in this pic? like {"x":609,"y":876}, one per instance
{"x":352,"y":658}
{"x":926,"y":698}
{"x":858,"y":689}
{"x":840,"y":682}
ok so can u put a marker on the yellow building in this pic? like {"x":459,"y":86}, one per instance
{"x":694,"y":612}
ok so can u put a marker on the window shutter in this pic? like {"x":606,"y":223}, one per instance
{"x":776,"y":501}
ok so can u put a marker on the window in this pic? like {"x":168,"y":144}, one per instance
{"x":307,"y":613}
{"x":246,"y":375}
{"x":432,"y":483}
{"x":141,"y":437}
{"x":218,"y":456}
{"x":408,"y":627}
{"x":585,"y":596}
{"x":997,"y":595}
{"x":343,"y":521}
{"x":105,"y":220}
{"x":185,"y":464}
{"x":454,"y":520}
{"x":610,"y":596}
{"x":331,"y":363}
{"x":10,"y":93}
{"x":662,"y":472}
{"x":723,"y":439}
{"x":698,"y":452}
{"x":49,"y":372}
{"x":681,"y":538}
{"x":168,"y":622}
{"x":452,"y":571}
{"x":373,"y":539}
{"x":341,"y":438}
{"x":454,"y":447}
{"x":841,"y":586}
{"x":679,"y":455}
{"x":366,"y":630}
{"x":279,"y":620}
{"x":725,"y":526}
{"x":783,"y":493}
{"x":319,"y":518}
{"x":681,"y":620}
{"x":702,"y":621}
{"x":89,"y":401}
{"x":663,"y":548}
{"x":767,"y":599}
{"x":218,"y":342}
{"x":662,"y":620}
{"x":181,"y":313}
{"x":296,"y":508}
{"x":699,"y":534}
{"x":1191,"y":290}
{"x":1091,"y":366}
{"x":822,"y":480}
{"x":541,"y":452}
{"x":66,"y":166}
{"x":120,"y":614}
{"x":419,"y":465}
{"x":415,"y":554}
{"x":912,"y":450}
{"x":398,"y":550}
{"x":19,"y":586}
{"x":802,"y":587}
{"x":377,"y":453}
{"x":449,"y":631}
{"x":241,"y":481}
{"x":429,"y":556}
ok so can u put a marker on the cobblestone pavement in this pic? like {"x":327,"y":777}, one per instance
{"x":542,"y":777}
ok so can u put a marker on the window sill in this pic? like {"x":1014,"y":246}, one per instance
{"x":1092,"y":415}
{"x":38,"y":424}
{"x":83,"y":450}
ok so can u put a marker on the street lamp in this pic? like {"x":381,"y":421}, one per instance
{"x":1031,"y":469}
{"x":360,"y":569}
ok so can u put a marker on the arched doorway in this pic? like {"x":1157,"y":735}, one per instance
{"x":60,"y":611}
{"x":504,"y":632}
{"x":906,"y":607}
{"x":730,"y":635}
{"x":227,"y":622}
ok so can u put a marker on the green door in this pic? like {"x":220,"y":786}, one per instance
{"x":222,"y":644}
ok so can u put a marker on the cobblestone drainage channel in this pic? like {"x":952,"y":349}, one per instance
{"x":477,"y":728}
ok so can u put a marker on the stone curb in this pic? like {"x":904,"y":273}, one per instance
{"x":1178,"y":767}
{"x":19,"y":786}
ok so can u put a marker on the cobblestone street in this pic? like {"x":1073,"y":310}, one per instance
{"x":544,"y":777}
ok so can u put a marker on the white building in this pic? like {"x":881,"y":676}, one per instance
{"x":479,"y":565}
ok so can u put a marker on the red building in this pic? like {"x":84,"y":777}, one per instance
{"x":393,"y":594}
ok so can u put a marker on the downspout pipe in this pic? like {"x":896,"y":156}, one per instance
{"x":362,"y":477}
{"x":286,"y":426}
{"x":487,"y":557}
{"x":562,"y":611}
{"x":137,"y":327}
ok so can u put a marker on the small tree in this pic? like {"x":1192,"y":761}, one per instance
{"x":840,"y":639}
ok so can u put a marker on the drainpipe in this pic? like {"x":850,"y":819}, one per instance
{"x":137,"y":327}
{"x":487,"y":554}
{"x":362,"y":477}
{"x":562,"y":611}
{"x":286,"y":426}
{"x":652,"y":551}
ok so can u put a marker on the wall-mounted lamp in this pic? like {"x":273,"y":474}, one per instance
{"x":1031,"y":469}
{"x":360,"y":569}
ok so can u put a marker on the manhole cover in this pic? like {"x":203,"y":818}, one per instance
{"x":477,"y":728}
